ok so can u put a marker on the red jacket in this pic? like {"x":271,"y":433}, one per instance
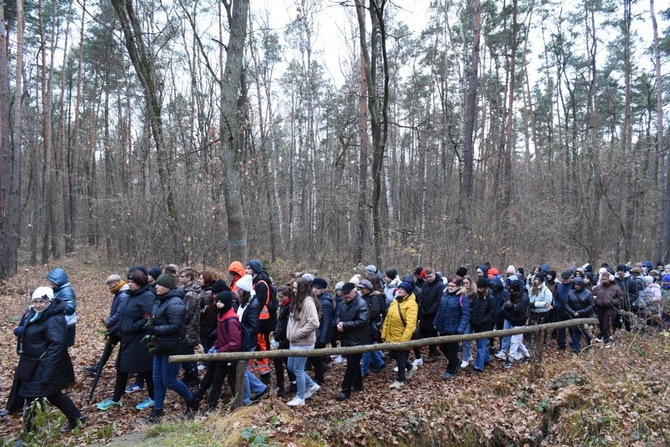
{"x":228,"y":332}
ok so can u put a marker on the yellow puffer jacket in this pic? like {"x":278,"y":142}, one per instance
{"x":393,"y":330}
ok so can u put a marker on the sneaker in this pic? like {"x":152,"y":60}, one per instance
{"x":202,"y":367}
{"x":526,"y":360}
{"x":476,"y":371}
{"x":311,"y":390}
{"x":431,"y":358}
{"x":501,"y":356}
{"x":90,"y":369}
{"x":395,"y":369}
{"x":507,"y":364}
{"x":464,"y":364}
{"x":409,"y":374}
{"x":342,"y":396}
{"x":154,"y":418}
{"x":296,"y":402}
{"x":80,"y":421}
{"x":447,"y":376}
{"x":397,"y":385}
{"x":134,"y":387}
{"x":338,"y":359}
{"x":145,"y":404}
{"x":418,"y":362}
{"x":599,"y":339}
{"x":109,"y":403}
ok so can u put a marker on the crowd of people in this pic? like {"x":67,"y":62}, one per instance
{"x":159,"y":312}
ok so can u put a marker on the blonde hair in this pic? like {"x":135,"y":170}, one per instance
{"x":113,"y":279}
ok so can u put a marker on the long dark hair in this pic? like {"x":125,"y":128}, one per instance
{"x":304,"y":291}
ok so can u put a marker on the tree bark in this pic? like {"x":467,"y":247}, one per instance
{"x":279,"y":353}
{"x":237,"y":12}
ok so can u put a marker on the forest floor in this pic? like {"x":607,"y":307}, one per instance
{"x":606,"y":396}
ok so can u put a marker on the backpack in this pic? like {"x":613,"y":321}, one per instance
{"x":272,"y":303}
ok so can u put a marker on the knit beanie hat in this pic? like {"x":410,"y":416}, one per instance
{"x":366,"y":284}
{"x":227,"y":298}
{"x":482,"y":282}
{"x":541,"y":276}
{"x":339,"y":285}
{"x":511,"y":270}
{"x":219,"y":286}
{"x":370,"y":269}
{"x":407,"y":287}
{"x":245,"y":283}
{"x":392,"y":273}
{"x":154,"y":272}
{"x":461,"y":271}
{"x":320,"y":283}
{"x":255,"y":266}
{"x":166,"y":280}
{"x":45,"y":293}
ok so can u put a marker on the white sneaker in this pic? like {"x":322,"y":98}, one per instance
{"x":417,"y":362}
{"x":410,"y":373}
{"x":501,"y":356}
{"x":201,"y":367}
{"x":464,"y":364}
{"x":296,"y":402}
{"x":338,"y":359}
{"x":395,"y":369}
{"x":397,"y":385}
{"x":313,"y":389}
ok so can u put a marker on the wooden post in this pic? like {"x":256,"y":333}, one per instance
{"x":239,"y":383}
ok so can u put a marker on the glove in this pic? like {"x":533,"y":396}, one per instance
{"x":150,"y":329}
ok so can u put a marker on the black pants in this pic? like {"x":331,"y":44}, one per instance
{"x":606,"y":317}
{"x":401,"y":359}
{"x":58,"y":400}
{"x":319,"y":365}
{"x":281,"y":365}
{"x":352,"y":376}
{"x":222,"y":370}
{"x":450,"y":351}
{"x":122,"y":382}
{"x":426,"y":333}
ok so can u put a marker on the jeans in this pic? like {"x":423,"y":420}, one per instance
{"x":483,"y":355}
{"x":377,"y":359}
{"x":467,"y":345}
{"x":252,"y":384}
{"x":303,"y":381}
{"x":505,"y":341}
{"x":576,"y":335}
{"x":165,"y":376}
{"x":401,"y":358}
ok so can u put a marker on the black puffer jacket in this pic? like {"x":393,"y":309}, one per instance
{"x":45,"y":339}
{"x":168,"y":315}
{"x":134,"y":356}
{"x":582,"y":302}
{"x":354,"y":316}
{"x":250,"y":320}
{"x":429,"y":303}
{"x":516,"y":309}
{"x":482,"y":312}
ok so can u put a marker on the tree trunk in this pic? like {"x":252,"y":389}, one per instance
{"x":146,"y":72}
{"x":663,"y":164}
{"x":237,"y":11}
{"x":8,"y":248}
{"x":468,"y":143}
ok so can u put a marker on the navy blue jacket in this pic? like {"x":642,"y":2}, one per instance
{"x":453,"y":314}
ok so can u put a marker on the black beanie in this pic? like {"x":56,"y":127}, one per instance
{"x":482,"y":282}
{"x":154,"y":272}
{"x":392,"y":273}
{"x":226,"y":297}
{"x":461,"y":271}
{"x":219,"y":286}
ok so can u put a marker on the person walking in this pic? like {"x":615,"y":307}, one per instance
{"x":399,"y":326}
{"x":45,"y":367}
{"x":301,"y":334}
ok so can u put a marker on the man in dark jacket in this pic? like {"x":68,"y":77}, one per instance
{"x":629,"y":289}
{"x":267,"y":317}
{"x":581,"y":304}
{"x":429,"y":302}
{"x":482,"y":317}
{"x":353,"y":325}
{"x":608,"y":298}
